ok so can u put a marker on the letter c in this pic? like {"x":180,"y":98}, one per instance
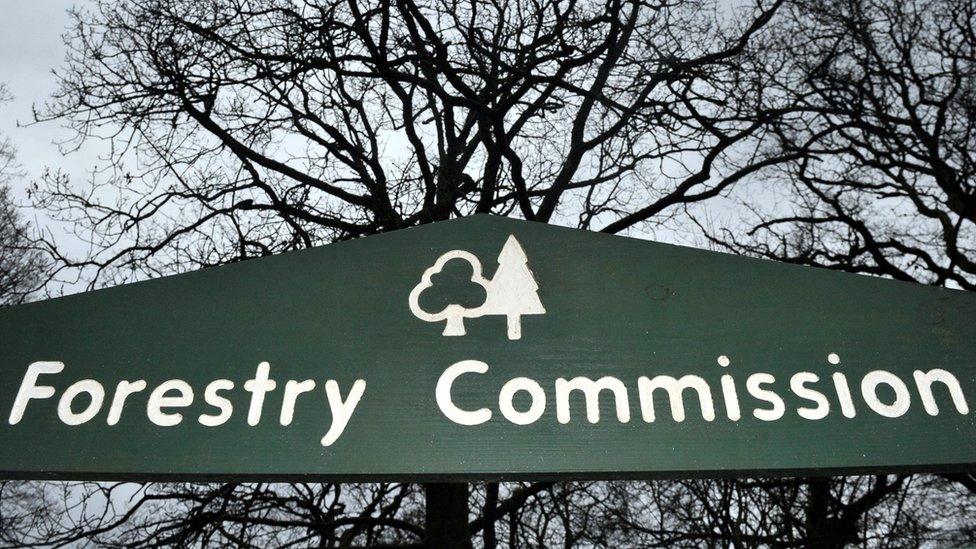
{"x":443,"y":393}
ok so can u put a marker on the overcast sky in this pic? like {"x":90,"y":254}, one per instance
{"x":30,"y":47}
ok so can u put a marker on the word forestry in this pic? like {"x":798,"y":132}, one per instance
{"x":166,"y":399}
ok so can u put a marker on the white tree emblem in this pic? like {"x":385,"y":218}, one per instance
{"x":512,"y":292}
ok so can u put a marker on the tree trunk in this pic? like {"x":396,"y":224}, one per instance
{"x":447,"y":516}
{"x":514,"y":327}
{"x":455,"y":322}
{"x":491,"y":506}
{"x":817,"y":514}
{"x":827,"y":527}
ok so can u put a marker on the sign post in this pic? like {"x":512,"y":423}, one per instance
{"x":490,"y":349}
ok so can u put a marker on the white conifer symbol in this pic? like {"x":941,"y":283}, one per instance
{"x":513,"y":291}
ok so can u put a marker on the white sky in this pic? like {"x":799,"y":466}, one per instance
{"x":30,"y":48}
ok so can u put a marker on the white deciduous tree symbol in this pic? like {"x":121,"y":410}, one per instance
{"x":512,"y":292}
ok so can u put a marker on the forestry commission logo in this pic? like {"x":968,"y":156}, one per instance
{"x":511,"y":292}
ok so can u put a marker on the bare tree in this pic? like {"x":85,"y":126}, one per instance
{"x":884,"y":130}
{"x":259,"y":127}
{"x":21,"y":265}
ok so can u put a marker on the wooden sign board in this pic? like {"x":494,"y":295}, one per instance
{"x":488,"y":348}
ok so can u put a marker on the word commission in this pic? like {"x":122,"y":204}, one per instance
{"x":168,"y":397}
{"x":892,"y":402}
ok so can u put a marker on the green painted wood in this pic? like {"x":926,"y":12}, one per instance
{"x":614,"y":306}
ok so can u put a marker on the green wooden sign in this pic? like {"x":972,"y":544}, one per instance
{"x":488,"y":348}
